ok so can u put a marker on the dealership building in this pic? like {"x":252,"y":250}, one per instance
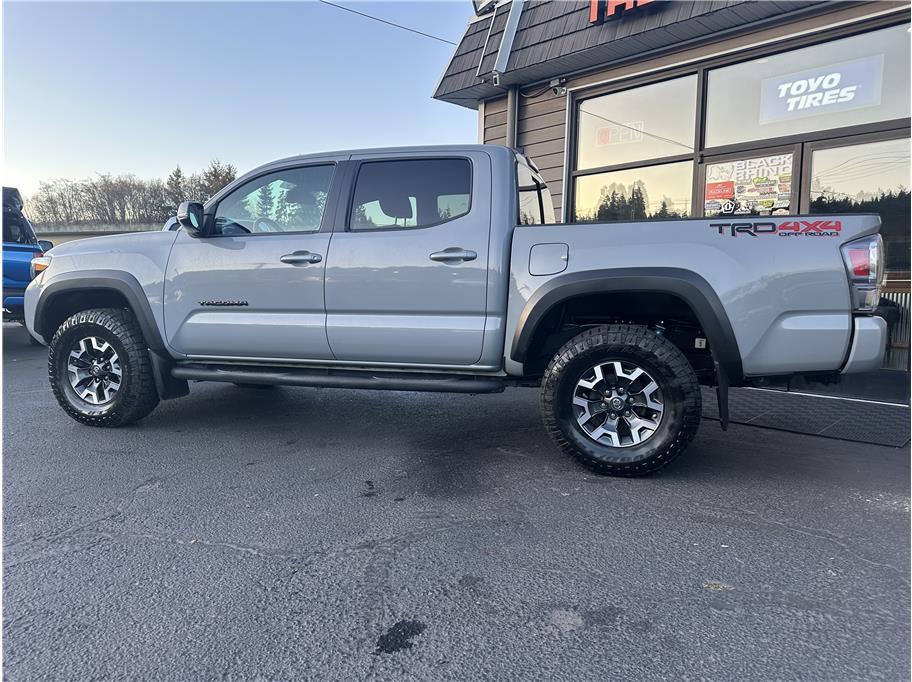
{"x":637,"y":109}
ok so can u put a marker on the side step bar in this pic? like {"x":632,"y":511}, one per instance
{"x":330,"y":378}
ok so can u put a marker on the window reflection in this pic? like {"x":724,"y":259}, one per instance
{"x":290,"y":200}
{"x":635,"y":194}
{"x":628,"y":126}
{"x":867,"y":178}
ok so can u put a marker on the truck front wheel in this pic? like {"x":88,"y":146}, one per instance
{"x":100,"y":370}
{"x":621,"y":400}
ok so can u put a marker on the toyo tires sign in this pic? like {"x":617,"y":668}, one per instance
{"x":826,"y":89}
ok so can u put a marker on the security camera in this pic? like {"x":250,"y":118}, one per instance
{"x":557,"y":86}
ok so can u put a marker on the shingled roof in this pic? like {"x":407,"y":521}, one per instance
{"x":554,"y":38}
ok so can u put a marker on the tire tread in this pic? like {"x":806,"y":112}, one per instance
{"x":617,"y":337}
{"x":140,"y":398}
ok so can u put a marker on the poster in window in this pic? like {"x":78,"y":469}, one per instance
{"x":757,"y":186}
{"x":823,"y":90}
{"x":620,"y":133}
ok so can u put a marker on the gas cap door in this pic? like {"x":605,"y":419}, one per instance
{"x":548,"y":259}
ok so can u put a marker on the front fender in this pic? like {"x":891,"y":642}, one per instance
{"x":95,"y":280}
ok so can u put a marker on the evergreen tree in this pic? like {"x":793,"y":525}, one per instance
{"x":176,"y":189}
{"x":284,"y":211}
{"x":637,"y":205}
{"x":264,"y":202}
{"x":216,"y":176}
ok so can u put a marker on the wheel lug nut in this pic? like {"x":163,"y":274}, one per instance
{"x":621,"y":390}
{"x":627,"y":413}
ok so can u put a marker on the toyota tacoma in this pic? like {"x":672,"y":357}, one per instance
{"x":441,"y":269}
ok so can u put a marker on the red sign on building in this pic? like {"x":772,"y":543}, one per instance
{"x":600,"y":10}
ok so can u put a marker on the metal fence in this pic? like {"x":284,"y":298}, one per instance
{"x":897,"y":356}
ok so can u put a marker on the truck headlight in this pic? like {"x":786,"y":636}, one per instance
{"x":39,"y":265}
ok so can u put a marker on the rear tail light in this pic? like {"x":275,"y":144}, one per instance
{"x":864,"y":262}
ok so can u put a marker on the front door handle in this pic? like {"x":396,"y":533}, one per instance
{"x":453,"y":254}
{"x":301,"y":258}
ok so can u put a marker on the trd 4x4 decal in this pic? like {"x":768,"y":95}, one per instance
{"x":788,"y":228}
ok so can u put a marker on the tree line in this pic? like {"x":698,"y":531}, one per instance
{"x":123,"y":199}
{"x":618,"y":202}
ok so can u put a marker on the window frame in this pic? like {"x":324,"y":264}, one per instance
{"x":801,"y":143}
{"x":325,"y":223}
{"x":353,"y":185}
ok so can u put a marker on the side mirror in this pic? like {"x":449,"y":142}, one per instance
{"x":190,"y":216}
{"x":45,"y":245}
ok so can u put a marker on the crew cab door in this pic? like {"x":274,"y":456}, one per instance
{"x":252,"y":287}
{"x":406,"y":280}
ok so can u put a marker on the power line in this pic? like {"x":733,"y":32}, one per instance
{"x":388,"y":23}
{"x":637,"y":130}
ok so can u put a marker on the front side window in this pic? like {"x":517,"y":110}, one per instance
{"x":649,"y":122}
{"x":867,"y":178}
{"x":635,"y":194}
{"x":410,"y":193}
{"x":291,"y":200}
{"x":847,"y":82}
{"x":757,"y":185}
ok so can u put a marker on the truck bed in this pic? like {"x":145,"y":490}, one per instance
{"x":780,"y":281}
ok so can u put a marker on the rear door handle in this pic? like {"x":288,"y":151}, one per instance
{"x":301,"y":258}
{"x":453,"y":254}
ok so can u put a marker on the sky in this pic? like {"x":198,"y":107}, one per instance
{"x":137,"y":88}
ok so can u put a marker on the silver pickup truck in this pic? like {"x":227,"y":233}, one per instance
{"x":441,"y":269}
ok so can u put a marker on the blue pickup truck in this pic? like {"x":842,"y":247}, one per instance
{"x":20,"y":245}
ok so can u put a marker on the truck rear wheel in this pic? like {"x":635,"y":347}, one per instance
{"x":99,"y":368}
{"x":621,"y":400}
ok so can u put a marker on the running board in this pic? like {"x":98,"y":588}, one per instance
{"x":330,"y":378}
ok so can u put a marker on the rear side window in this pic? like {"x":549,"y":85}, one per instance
{"x":16,"y":229}
{"x":535,"y":204}
{"x":411,"y":193}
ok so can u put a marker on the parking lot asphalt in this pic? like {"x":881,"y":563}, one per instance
{"x":325,"y":534}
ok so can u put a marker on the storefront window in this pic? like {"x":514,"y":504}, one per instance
{"x":760,"y":185}
{"x":867,"y":178}
{"x":852,"y":81}
{"x":649,"y":122}
{"x":635,"y":194}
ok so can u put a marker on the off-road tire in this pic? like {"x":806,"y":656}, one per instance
{"x":137,"y":395}
{"x":661,"y":359}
